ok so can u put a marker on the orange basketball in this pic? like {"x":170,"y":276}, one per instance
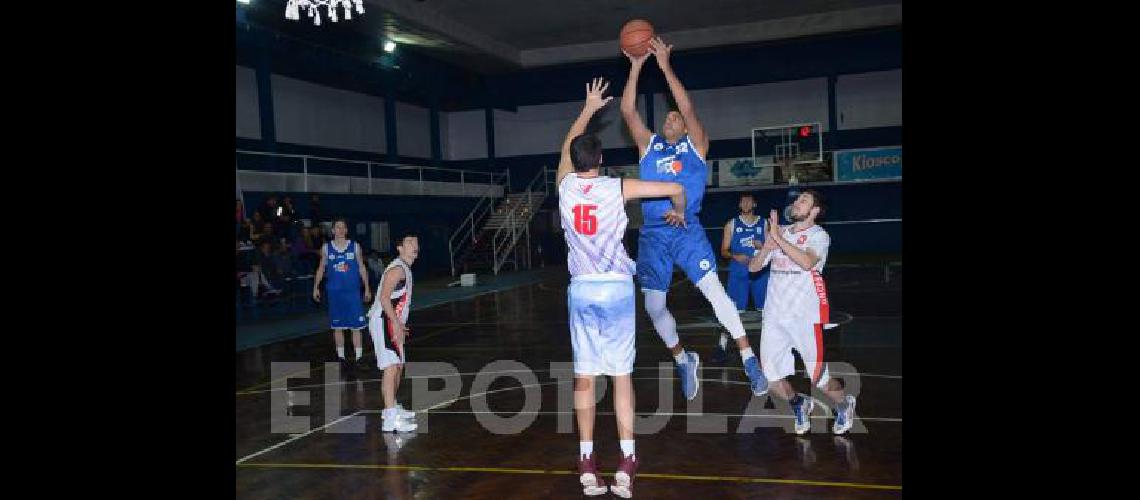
{"x":635,"y":37}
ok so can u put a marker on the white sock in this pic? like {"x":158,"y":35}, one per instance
{"x":585,"y":448}
{"x":723,"y":340}
{"x":626,"y":447}
{"x":389,"y":413}
{"x":359,"y":352}
{"x":680,"y":358}
{"x":746,"y":353}
{"x":340,"y":352}
{"x":663,"y":322}
{"x":722,"y":305}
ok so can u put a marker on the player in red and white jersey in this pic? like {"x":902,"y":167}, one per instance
{"x":796,"y":310}
{"x":602,"y":304}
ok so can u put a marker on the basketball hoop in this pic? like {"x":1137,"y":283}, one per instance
{"x":293,"y":9}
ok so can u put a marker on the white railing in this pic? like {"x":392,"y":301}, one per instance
{"x":477,"y":179}
{"x":517,"y":221}
{"x":464,"y":235}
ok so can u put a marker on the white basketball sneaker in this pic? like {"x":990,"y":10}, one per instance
{"x":393,"y":422}
{"x":405,"y":414}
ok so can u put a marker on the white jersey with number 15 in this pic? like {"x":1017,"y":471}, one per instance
{"x":594,"y":220}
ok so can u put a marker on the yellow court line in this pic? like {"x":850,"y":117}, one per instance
{"x":682,"y":477}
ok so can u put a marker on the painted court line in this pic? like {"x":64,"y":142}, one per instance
{"x":661,"y":413}
{"x":294,"y":438}
{"x":431,"y":409}
{"x":250,"y":389}
{"x":642,"y":475}
{"x":247,"y":392}
{"x":428,"y":409}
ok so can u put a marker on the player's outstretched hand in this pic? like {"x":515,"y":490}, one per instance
{"x":674,"y":218}
{"x":317,"y":294}
{"x":661,"y":50}
{"x":594,"y":91}
{"x":770,"y":241}
{"x":636,"y":60}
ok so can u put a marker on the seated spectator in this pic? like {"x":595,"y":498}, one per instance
{"x":240,"y":217}
{"x":269,"y":208}
{"x":282,"y":223}
{"x":249,"y":271}
{"x":306,"y":248}
{"x":267,"y":234}
{"x":315,"y":209}
{"x":243,"y":263}
{"x":299,"y":243}
{"x":256,"y":226}
{"x":282,"y":251}
{"x":318,"y":239}
{"x":267,"y":265}
{"x":288,"y":208}
{"x":245,"y":231}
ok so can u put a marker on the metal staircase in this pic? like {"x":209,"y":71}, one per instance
{"x":489,"y":238}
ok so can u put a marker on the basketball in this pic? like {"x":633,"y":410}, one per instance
{"x":635,"y":36}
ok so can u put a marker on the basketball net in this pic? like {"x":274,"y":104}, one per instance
{"x":293,"y":9}
{"x":790,"y":171}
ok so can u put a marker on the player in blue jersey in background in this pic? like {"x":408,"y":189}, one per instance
{"x":344,"y":262}
{"x":742,"y":238}
{"x":678,"y":154}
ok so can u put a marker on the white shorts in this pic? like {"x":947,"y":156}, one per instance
{"x":385,"y":352}
{"x":603,"y":323}
{"x":779,"y":335}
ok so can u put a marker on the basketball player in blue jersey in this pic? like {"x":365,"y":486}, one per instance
{"x":346,"y":310}
{"x":678,"y":155}
{"x":740,"y":241}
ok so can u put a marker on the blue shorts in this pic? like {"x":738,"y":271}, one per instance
{"x":741,"y":283}
{"x":660,"y":247}
{"x":346,"y":308}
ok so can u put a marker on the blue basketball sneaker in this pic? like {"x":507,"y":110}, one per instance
{"x":844,"y":416}
{"x":687,"y":372}
{"x":803,"y":413}
{"x":756,"y":376}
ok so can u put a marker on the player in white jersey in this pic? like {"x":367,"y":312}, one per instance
{"x":796,"y":310}
{"x":387,"y":322}
{"x":600,"y":296}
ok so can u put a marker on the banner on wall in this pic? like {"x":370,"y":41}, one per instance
{"x":631,"y":172}
{"x":744,"y":172}
{"x":867,"y":164}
